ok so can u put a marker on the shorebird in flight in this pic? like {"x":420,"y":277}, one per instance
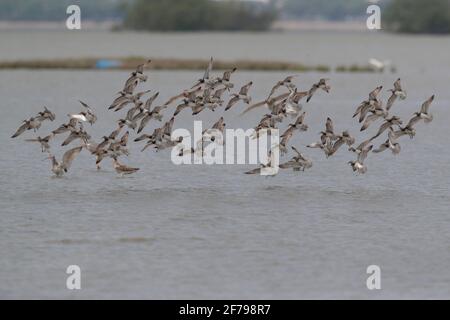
{"x":202,"y":102}
{"x":344,"y":138}
{"x":371,"y":104}
{"x":322,"y":84}
{"x":214,"y":101}
{"x":31,"y":124}
{"x":85,"y":116}
{"x":423,"y":114}
{"x":135,"y":78}
{"x":389,"y":123}
{"x":225,"y":80}
{"x":125,"y":99}
{"x":293,"y":106}
{"x":44,"y":142}
{"x":269,"y":103}
{"x":45,"y":115}
{"x":266,"y":169}
{"x":299,"y":124}
{"x":190,"y":101}
{"x":405,"y":131}
{"x":148,"y":115}
{"x":144,"y":111}
{"x":60,"y":168}
{"x":89,"y":114}
{"x":327,"y":138}
{"x":287,"y":82}
{"x":70,"y":126}
{"x":377,"y":113}
{"x":361,"y":147}
{"x":212,"y":133}
{"x":358,"y":165}
{"x":96,"y":150}
{"x":77,"y":134}
{"x":389,"y":144}
{"x":242,"y":95}
{"x":186,"y":94}
{"x":397,"y":92}
{"x":328,"y":134}
{"x":375,"y":93}
{"x":297,"y":163}
{"x":156,"y":137}
{"x":168,"y":143}
{"x":205,"y":79}
{"x":131,"y":124}
{"x":287,"y":135}
{"x":140,"y":68}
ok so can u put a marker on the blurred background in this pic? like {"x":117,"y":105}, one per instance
{"x":284,"y":34}
{"x":412,"y":16}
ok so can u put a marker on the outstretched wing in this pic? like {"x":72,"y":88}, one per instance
{"x":413,"y":121}
{"x":181,"y":95}
{"x":363,"y":155}
{"x":218,"y":94}
{"x":391,"y":101}
{"x":244,"y":89}
{"x":168,"y":126}
{"x":374,"y":94}
{"x":150,"y":100}
{"x":299,"y":96}
{"x":299,"y":154}
{"x":88,"y":108}
{"x":227,"y":74}
{"x":21,"y":130}
{"x":232,"y":102}
{"x":209,"y":69}
{"x":69,"y":156}
{"x":426,"y":105}
{"x":382,"y":147}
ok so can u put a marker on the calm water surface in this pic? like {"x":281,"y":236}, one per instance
{"x":210,"y":231}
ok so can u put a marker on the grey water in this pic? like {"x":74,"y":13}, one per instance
{"x":206,"y":232}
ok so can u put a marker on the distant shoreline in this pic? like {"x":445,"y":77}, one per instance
{"x":282,"y":25}
{"x":318,"y":25}
{"x":130,"y":63}
{"x":54,"y":25}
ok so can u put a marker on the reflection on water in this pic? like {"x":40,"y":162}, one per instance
{"x":213,"y":232}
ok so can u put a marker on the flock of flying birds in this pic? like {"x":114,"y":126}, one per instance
{"x":208,"y":93}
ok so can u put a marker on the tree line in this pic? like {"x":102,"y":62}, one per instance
{"x":198,"y":15}
{"x":407,"y":16}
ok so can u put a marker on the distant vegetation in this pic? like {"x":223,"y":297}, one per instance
{"x":418,"y":16}
{"x":325,"y":9}
{"x":407,"y":16}
{"x":192,"y":15}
